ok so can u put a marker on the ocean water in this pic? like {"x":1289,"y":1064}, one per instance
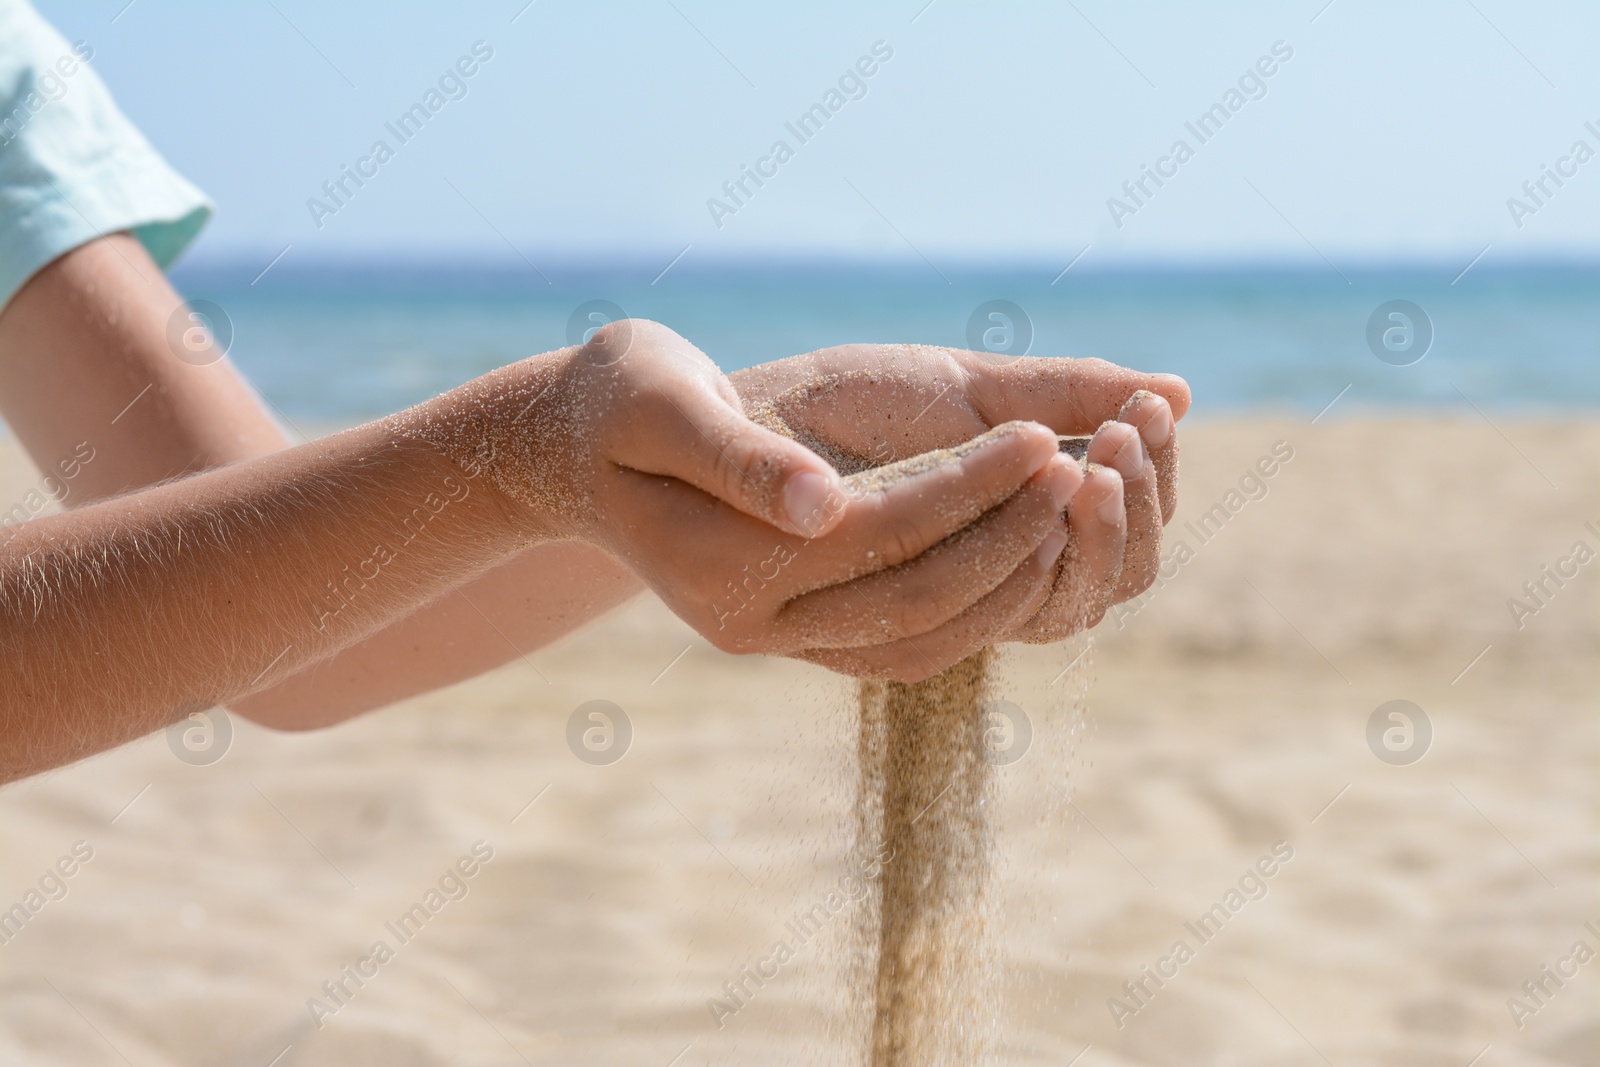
{"x":343,"y":342}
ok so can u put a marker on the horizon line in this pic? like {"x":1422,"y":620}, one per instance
{"x":412,"y":258}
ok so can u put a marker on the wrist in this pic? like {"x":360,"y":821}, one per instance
{"x":511,"y":435}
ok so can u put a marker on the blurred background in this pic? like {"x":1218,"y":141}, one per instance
{"x":586,"y":160}
{"x":1360,"y":260}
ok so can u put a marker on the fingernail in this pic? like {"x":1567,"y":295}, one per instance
{"x":1050,"y":549}
{"x":1063,"y":479}
{"x":803,"y":501}
{"x":1157,"y":429}
{"x":1129,"y":460}
{"x":1110,"y":509}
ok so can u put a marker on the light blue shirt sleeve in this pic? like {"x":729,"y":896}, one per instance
{"x":72,"y":167}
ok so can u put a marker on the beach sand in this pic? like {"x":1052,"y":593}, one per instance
{"x":1226,"y":714}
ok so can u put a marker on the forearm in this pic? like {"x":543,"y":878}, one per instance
{"x":87,"y":366}
{"x":521,"y":605}
{"x":120,"y":617}
{"x":85,"y":360}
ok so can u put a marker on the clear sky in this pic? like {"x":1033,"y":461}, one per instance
{"x":1394,"y":131}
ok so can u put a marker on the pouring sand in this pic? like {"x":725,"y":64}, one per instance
{"x":925,"y":959}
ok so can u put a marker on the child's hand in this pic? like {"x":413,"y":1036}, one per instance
{"x":882,"y":402}
{"x":637,"y":443}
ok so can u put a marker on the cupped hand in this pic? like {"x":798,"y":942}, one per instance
{"x":635,"y":442}
{"x":864,"y":404}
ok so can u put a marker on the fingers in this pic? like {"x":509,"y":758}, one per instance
{"x":899,"y":511}
{"x":1068,"y":395}
{"x":697,"y":544}
{"x":924,"y":594}
{"x":690,"y":429}
{"x":1089,"y":569}
{"x":731,"y":576}
{"x":1116,"y":518}
{"x":1121,"y":447}
{"x":984,"y":623}
{"x":1152,"y":416}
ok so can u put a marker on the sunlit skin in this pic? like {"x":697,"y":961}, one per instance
{"x":194,"y":548}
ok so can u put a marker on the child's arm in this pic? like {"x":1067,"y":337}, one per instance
{"x":122,"y":615}
{"x":88,"y":334}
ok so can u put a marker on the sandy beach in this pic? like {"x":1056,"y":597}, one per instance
{"x":1218,"y":722}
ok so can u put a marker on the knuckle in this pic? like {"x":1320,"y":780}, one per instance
{"x":609,"y":343}
{"x":733,"y":462}
{"x":608,"y":334}
{"x":917,"y":615}
{"x":724,"y":468}
{"x":916,"y":606}
{"x":900,"y":540}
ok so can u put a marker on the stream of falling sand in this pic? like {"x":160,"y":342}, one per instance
{"x":922,"y":804}
{"x":926,"y":968}
{"x":928,"y":962}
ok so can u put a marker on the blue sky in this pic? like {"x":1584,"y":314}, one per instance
{"x":1394,"y":132}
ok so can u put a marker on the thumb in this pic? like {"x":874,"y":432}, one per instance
{"x":716,"y":448}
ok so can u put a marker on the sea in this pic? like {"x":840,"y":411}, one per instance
{"x":336,"y":343}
